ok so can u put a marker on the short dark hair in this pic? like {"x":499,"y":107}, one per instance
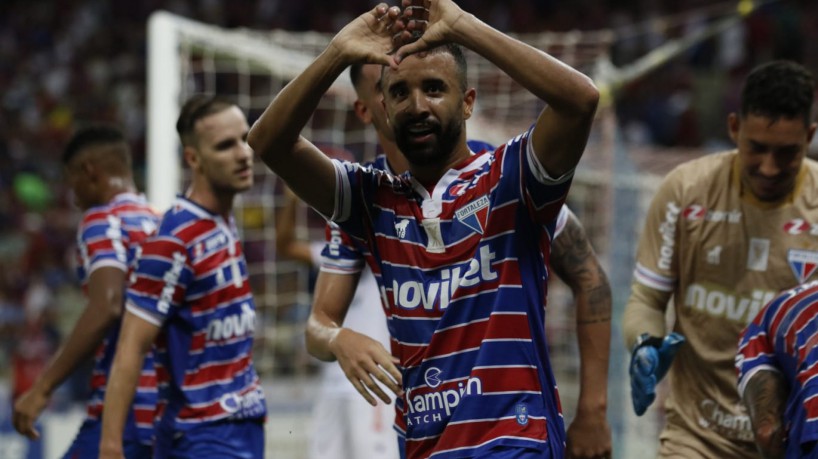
{"x":355,"y":71}
{"x":92,"y":136}
{"x":194,"y":109}
{"x":779,"y":89}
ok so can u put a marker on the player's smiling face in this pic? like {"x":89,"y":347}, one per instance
{"x":770,"y":152}
{"x":223,"y":155}
{"x":427,"y":107}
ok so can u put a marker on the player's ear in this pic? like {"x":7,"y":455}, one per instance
{"x":733,"y":125}
{"x":362,"y":112}
{"x":468,"y":102}
{"x":811,"y":132}
{"x":191,"y":158}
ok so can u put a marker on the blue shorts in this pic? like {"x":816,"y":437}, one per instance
{"x":237,"y":440}
{"x":86,"y":444}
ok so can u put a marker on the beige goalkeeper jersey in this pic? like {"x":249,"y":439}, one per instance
{"x":723,"y":255}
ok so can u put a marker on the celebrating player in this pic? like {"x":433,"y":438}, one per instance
{"x":572,"y":258}
{"x":458,"y":241}
{"x":776,"y":363}
{"x":723,"y":235}
{"x":116,"y":221}
{"x":190,"y":293}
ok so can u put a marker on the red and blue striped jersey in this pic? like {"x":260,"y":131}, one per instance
{"x":191,"y":280}
{"x":109,"y":236}
{"x":783,"y":338}
{"x":463,"y":272}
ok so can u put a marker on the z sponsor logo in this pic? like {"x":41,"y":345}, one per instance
{"x":798,"y":226}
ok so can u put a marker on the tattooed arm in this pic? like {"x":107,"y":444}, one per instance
{"x":765,"y":397}
{"x":574,"y":261}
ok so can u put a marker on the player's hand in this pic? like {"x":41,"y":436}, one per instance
{"x":426,"y":24}
{"x":27,"y":409}
{"x":365,"y":360}
{"x":110,"y":450}
{"x":369,"y":37}
{"x":650,"y":362}
{"x":588,"y":436}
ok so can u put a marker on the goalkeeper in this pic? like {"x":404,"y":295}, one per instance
{"x":723,"y":235}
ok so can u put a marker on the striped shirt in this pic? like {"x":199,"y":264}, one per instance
{"x":110,"y":236}
{"x":463,"y":272}
{"x":783,"y":338}
{"x":191,"y":280}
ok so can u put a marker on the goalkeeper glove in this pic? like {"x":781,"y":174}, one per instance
{"x":650,"y":361}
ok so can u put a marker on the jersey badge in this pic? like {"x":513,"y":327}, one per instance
{"x":758,"y":254}
{"x":803,"y":263}
{"x":714,"y":255}
{"x":521,"y":413}
{"x":474,"y":214}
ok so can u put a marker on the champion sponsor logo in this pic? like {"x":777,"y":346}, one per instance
{"x":432,"y":377}
{"x":411,"y":294}
{"x":803,"y":263}
{"x":244,"y":406}
{"x":432,"y":407}
{"x":474,"y":214}
{"x":719,"y":303}
{"x":798,"y":226}
{"x":715,"y":417}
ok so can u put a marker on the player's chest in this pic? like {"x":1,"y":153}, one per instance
{"x":748,"y":247}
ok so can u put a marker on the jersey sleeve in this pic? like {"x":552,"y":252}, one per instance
{"x":340,"y":255}
{"x":756,"y":348}
{"x":159,"y":280}
{"x":657,"y":256}
{"x":524,"y":177}
{"x":103,"y":242}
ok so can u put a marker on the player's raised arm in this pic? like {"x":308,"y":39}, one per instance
{"x":275,"y":136}
{"x":563,"y":127}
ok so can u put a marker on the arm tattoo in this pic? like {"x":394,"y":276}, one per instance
{"x":574,"y":261}
{"x":765,"y":398}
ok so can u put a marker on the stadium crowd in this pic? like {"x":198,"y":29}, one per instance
{"x":63,"y":64}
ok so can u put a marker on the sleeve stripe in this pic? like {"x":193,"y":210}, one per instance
{"x":342,"y":191}
{"x":653,"y":280}
{"x":537,"y":168}
{"x":335,"y":270}
{"x":107,"y":263}
{"x":143,"y":314}
{"x":742,"y":384}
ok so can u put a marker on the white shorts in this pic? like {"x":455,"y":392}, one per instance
{"x":347,"y":427}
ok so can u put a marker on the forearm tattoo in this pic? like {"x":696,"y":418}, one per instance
{"x":574,"y":261}
{"x":765,"y":398}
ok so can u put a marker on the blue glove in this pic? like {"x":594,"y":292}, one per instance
{"x":650,"y":361}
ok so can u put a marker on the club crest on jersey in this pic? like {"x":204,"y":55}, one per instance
{"x":521,"y":413}
{"x":474,"y":214}
{"x":803,"y":263}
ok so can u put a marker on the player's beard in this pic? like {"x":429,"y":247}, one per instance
{"x":433,"y":152}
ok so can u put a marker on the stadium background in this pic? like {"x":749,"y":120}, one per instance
{"x":66,"y":63}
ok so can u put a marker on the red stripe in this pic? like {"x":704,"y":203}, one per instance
{"x":217,"y":372}
{"x":475,"y":433}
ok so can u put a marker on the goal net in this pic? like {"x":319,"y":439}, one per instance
{"x":611,"y":190}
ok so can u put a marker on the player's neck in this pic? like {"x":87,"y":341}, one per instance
{"x":430,"y":174}
{"x":217,"y":202}
{"x":116,"y":185}
{"x":397,"y":162}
